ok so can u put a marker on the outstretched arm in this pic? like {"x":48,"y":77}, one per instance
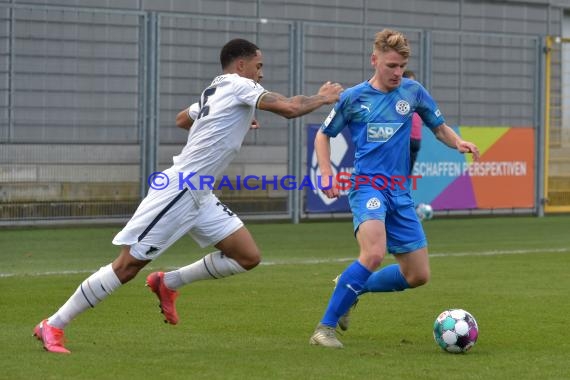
{"x":301,"y":104}
{"x":448,"y":136}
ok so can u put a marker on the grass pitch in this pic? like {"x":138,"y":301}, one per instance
{"x":511,"y":273}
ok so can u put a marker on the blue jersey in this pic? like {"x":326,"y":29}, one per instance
{"x":380,"y":124}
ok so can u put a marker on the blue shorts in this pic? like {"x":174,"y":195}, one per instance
{"x":404,"y":231}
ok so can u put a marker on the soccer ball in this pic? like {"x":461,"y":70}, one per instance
{"x":424,"y":211}
{"x":455,"y":331}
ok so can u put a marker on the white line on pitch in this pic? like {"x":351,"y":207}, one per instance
{"x":431,"y":255}
{"x":331,"y":260}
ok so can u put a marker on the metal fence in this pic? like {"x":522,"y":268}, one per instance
{"x":71,"y":111}
{"x":88,"y":98}
{"x":557,"y":125}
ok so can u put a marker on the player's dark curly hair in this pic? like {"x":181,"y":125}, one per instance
{"x":237,"y":48}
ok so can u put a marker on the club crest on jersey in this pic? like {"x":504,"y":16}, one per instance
{"x":403,"y":107}
{"x":373,"y":203}
{"x":381,"y":132}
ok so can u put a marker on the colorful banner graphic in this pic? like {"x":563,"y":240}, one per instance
{"x":504,"y":177}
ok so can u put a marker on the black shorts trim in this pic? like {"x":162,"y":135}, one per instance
{"x":161,"y":214}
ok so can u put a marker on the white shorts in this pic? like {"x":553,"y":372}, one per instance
{"x":164,"y":216}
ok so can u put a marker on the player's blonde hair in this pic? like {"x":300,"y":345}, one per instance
{"x":389,"y":39}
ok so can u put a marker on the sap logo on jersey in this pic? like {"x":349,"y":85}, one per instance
{"x":381,"y":132}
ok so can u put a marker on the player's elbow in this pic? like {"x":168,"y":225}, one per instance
{"x":291,"y":109}
{"x":280,"y":105}
{"x":183,"y":121}
{"x":291,"y":112}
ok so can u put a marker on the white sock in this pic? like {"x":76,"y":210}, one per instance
{"x":214,"y":265}
{"x":91,"y":291}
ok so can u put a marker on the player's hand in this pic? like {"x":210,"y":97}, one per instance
{"x":254,"y":124}
{"x":331,"y":92}
{"x":468,"y":147}
{"x":329,"y":186}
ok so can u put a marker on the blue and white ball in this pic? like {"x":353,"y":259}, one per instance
{"x":424,"y":211}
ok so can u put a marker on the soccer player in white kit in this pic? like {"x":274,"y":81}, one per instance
{"x":217,"y":126}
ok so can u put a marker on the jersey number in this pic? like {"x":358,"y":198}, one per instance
{"x":205,"y":109}
{"x":225,"y":208}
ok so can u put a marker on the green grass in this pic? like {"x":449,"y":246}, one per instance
{"x":510,"y":273}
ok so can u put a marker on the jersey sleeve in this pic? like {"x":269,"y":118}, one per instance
{"x":336,"y":120}
{"x":248,"y":91}
{"x":428,"y":109}
{"x":193,"y":111}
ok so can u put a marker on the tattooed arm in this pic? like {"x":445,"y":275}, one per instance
{"x":299,"y":105}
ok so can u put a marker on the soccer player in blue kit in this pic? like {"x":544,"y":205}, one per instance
{"x":378,"y":113}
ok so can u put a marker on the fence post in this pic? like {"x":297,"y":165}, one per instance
{"x":426,"y":58}
{"x":149,"y":132}
{"x":295,"y":143}
{"x":541,"y":163}
{"x":11,"y":73}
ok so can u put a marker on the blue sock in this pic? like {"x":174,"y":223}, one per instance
{"x":347,"y":289}
{"x":387,"y":279}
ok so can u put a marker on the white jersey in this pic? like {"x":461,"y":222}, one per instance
{"x":226,"y":111}
{"x":220,"y":124}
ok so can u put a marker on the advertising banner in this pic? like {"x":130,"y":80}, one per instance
{"x":342,"y":160}
{"x":504,"y":177}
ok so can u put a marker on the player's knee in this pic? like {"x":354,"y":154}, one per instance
{"x":375,"y":261}
{"x":126,"y":273}
{"x":250,"y":260}
{"x":418,"y":278}
{"x":371,"y":260}
{"x":127,"y":267}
